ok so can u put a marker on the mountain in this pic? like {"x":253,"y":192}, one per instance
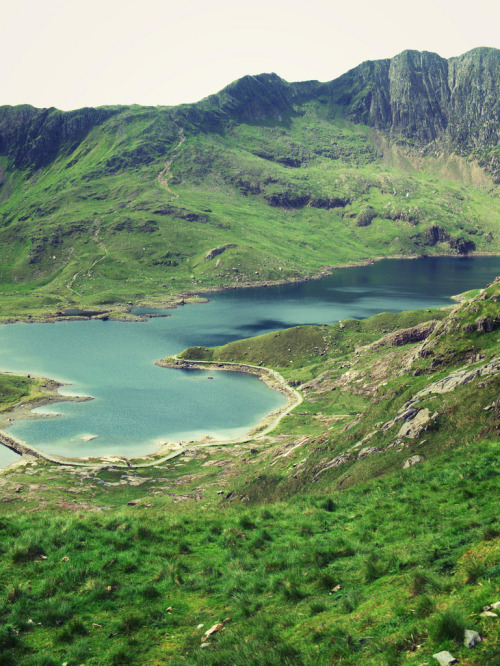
{"x":282,"y":180}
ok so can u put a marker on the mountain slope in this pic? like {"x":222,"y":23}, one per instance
{"x":397,"y":156}
{"x":343,"y":537}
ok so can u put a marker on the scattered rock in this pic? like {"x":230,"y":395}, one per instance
{"x":65,"y":559}
{"x":200,"y":626}
{"x":488,"y":614}
{"x":471,"y":638}
{"x":336,"y":588}
{"x":414,"y":460}
{"x":445,"y":657}
{"x":227,"y":619}
{"x":204,"y":645}
{"x":133,"y":502}
{"x":213,"y":630}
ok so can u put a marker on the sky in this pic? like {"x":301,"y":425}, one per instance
{"x":74,"y":53}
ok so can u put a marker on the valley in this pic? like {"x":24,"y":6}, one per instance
{"x":362,"y":527}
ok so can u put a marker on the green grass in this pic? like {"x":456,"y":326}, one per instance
{"x":98,"y":226}
{"x":396,"y":546}
{"x":360,"y":563}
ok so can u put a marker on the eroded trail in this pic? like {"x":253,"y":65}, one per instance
{"x":96,"y":237}
{"x":166,"y":173}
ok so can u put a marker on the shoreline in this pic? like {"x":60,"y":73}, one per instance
{"x":167,"y":450}
{"x":198,"y":296}
{"x":22,"y":410}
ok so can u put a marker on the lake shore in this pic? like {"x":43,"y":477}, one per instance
{"x":23,"y":408}
{"x":200,"y":294}
{"x":166,"y":450}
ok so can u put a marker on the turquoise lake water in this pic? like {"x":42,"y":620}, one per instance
{"x":137,"y":405}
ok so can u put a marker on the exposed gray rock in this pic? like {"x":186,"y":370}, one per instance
{"x":444,"y":657}
{"x":368,"y":450}
{"x":406,"y":415}
{"x":471,"y":638}
{"x":416,"y":425}
{"x":459,"y":377}
{"x":485,"y":325}
{"x":341,"y":459}
{"x":414,"y":460}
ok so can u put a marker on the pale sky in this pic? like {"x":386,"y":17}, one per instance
{"x":74,"y":53}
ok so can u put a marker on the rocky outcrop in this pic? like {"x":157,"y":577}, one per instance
{"x":419,"y":422}
{"x":423,"y":97}
{"x":32,"y":137}
{"x":403,"y":337}
{"x":218,"y":250}
{"x":458,"y":378}
{"x":365,"y":217}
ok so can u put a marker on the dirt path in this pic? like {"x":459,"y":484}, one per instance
{"x":100,"y":244}
{"x":165,"y":174}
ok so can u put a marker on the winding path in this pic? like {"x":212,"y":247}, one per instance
{"x":166,"y":173}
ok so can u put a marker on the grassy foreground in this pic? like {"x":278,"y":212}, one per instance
{"x":314,"y":546}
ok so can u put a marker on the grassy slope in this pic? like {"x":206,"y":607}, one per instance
{"x":415,"y":552}
{"x":131,"y":212}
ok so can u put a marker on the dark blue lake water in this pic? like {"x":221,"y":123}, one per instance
{"x":137,"y":405}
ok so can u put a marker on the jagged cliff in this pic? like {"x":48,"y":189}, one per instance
{"x":417,"y":96}
{"x":422,"y":97}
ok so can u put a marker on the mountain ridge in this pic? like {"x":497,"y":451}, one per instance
{"x":396,"y":157}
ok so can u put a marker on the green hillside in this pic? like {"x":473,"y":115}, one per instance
{"x":103,"y":207}
{"x":362,"y":531}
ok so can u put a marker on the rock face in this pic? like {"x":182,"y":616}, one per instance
{"x":33,"y":137}
{"x":416,"y":96}
{"x":416,"y":425}
{"x":421,"y":96}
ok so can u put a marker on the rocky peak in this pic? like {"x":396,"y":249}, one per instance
{"x":423,"y":97}
{"x":253,"y":99}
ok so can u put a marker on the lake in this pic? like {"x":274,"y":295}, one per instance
{"x":137,"y":405}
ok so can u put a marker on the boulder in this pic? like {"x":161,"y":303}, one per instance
{"x":444,"y":657}
{"x":471,"y":638}
{"x":213,"y":630}
{"x":414,"y":460}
